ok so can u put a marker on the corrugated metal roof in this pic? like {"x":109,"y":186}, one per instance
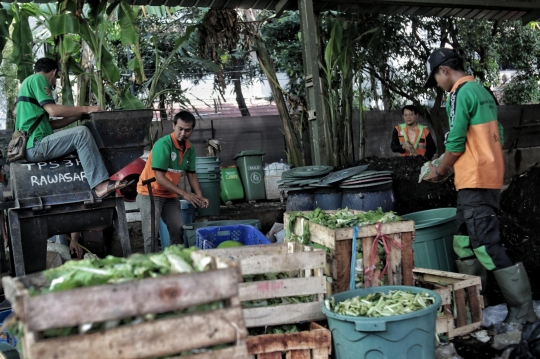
{"x":526,"y":10}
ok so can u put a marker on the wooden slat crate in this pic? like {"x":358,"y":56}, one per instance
{"x":339,"y":241}
{"x":158,"y":338}
{"x":315,"y":343}
{"x":460,"y":294}
{"x":275,"y":258}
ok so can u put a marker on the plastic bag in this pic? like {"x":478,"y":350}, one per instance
{"x":424,"y":171}
{"x":529,"y":346}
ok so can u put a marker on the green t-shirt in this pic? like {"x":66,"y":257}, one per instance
{"x":35,"y":92}
{"x":167,"y":157}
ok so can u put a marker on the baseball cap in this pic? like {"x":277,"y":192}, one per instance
{"x":434,"y":60}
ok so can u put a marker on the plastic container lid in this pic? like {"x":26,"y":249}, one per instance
{"x":432,"y":217}
{"x":250,"y":153}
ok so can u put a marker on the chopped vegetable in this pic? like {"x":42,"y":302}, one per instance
{"x":379,"y":304}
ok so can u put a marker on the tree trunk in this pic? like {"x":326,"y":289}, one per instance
{"x":293,"y":147}
{"x":436,"y":122}
{"x":238,"y":88}
{"x":162,"y":108}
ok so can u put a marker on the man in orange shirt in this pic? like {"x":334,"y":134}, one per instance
{"x":474,"y":150}
{"x":171,"y":158}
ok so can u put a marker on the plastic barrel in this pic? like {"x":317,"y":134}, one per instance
{"x":406,"y":336}
{"x":433,"y":245}
{"x":188,"y":216}
{"x":327,"y":199}
{"x":366,"y":201}
{"x":190,"y":229}
{"x":300,"y":201}
{"x":211,"y":190}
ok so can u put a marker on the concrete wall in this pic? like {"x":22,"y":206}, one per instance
{"x":236,"y":134}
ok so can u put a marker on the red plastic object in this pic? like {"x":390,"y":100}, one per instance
{"x":130,"y":172}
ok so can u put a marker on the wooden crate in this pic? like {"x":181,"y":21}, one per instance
{"x":275,"y":258}
{"x":461,"y":299}
{"x":315,"y":343}
{"x":339,"y":241}
{"x":158,"y":338}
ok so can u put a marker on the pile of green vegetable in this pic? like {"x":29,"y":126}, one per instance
{"x":278,"y":329}
{"x":379,"y":304}
{"x":343,"y":218}
{"x":89,"y":272}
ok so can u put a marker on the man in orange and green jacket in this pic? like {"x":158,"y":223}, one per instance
{"x":474,"y":149}
{"x":411,"y":138}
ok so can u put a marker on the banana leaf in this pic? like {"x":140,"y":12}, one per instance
{"x":129,"y":102}
{"x":63,"y":24}
{"x":22,"y":40}
{"x":5,"y":22}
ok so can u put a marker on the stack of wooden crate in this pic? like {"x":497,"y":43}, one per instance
{"x":307,"y":266}
{"x":461,"y":300}
{"x":339,"y":242}
{"x":156,"y":338}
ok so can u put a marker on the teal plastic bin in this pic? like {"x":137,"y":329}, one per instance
{"x":406,"y":336}
{"x":433,"y":245}
{"x":190,"y":229}
{"x":211,"y":190}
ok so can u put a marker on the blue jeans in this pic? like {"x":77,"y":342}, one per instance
{"x":67,"y":141}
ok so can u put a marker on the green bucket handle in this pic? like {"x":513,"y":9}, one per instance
{"x":371,"y":326}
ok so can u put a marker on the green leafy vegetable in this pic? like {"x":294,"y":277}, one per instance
{"x":379,"y":304}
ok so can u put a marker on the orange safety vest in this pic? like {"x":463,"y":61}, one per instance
{"x":419,"y":146}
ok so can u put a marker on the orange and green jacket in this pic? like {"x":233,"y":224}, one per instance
{"x":475,"y":136}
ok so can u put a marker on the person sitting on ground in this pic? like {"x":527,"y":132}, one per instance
{"x":35,"y":102}
{"x":411,"y":138}
{"x":171,"y":158}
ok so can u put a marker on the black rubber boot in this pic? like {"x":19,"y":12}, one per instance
{"x":474,"y":267}
{"x":516,"y":290}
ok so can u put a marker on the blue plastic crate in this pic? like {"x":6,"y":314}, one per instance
{"x":211,"y":237}
{"x":5,"y":337}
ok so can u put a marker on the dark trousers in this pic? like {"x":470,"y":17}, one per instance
{"x":477,"y":219}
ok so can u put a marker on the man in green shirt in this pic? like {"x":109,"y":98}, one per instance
{"x":35,"y":102}
{"x":171,"y":158}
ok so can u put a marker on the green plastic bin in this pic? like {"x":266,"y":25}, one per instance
{"x":207,"y":164}
{"x":210,"y":189}
{"x":190,"y":229}
{"x":433,"y":245}
{"x":406,"y":336}
{"x":249,"y":165}
{"x":231,"y":186}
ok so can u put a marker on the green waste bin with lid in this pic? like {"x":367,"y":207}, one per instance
{"x":433,"y":245}
{"x":249,"y":164}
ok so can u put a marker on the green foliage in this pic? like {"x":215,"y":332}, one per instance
{"x":282,"y":37}
{"x":22,"y":41}
{"x":522,"y":89}
{"x":10,"y":84}
{"x":5,"y":20}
